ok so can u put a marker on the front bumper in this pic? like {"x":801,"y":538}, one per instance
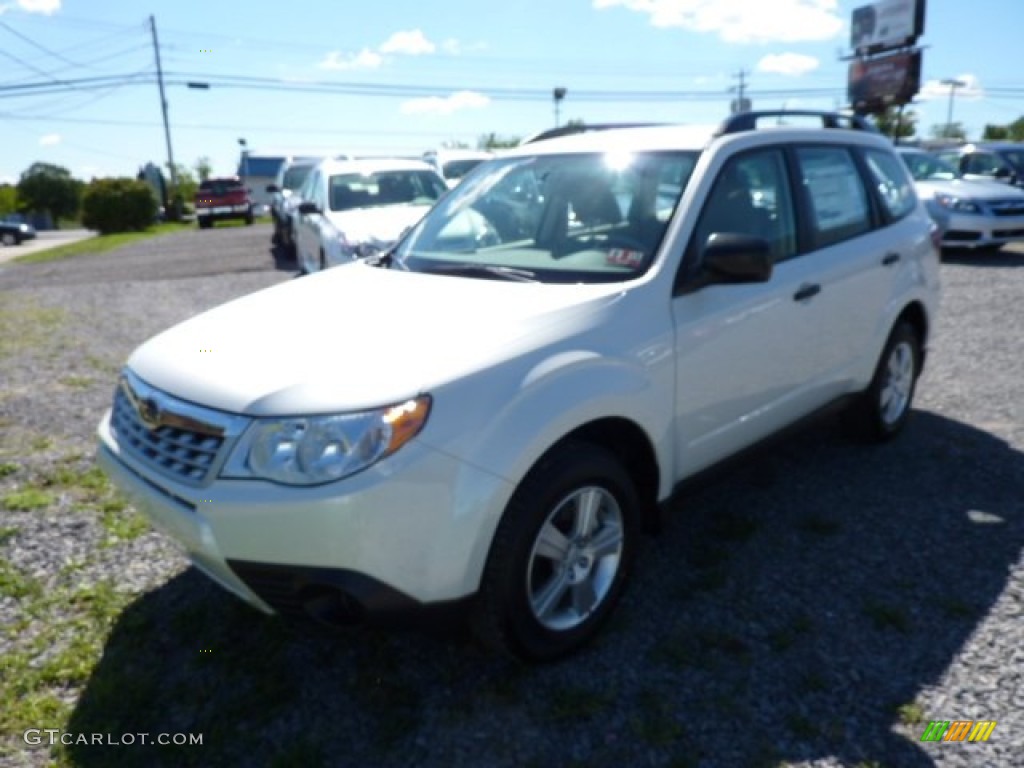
{"x":410,"y":532}
{"x":962,"y":230}
{"x":224,"y":211}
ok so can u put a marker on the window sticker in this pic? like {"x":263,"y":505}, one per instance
{"x":624,"y":257}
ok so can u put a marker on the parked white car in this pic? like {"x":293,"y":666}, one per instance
{"x":453,"y":164}
{"x":503,"y":400}
{"x":970,"y":213}
{"x":353,"y":208}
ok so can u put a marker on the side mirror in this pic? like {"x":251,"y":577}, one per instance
{"x":736,"y":258}
{"x":272,"y":188}
{"x":1002,"y":172}
{"x":307,"y":208}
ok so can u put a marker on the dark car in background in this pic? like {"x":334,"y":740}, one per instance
{"x":222,"y":199}
{"x":992,"y":161}
{"x":14,"y":230}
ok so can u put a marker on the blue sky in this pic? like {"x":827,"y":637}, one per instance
{"x":447,"y":70}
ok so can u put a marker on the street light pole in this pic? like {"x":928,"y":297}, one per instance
{"x":953,"y":85}
{"x":557,"y":95}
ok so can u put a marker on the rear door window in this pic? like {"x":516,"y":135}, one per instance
{"x":894,"y":187}
{"x":835,"y":196}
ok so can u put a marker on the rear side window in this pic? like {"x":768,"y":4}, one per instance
{"x":836,"y":197}
{"x":890,"y":178}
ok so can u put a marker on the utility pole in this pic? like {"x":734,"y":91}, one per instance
{"x":163,"y":107}
{"x":953,"y":85}
{"x":740,"y":104}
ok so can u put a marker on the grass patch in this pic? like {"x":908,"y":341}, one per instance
{"x":730,"y":526}
{"x":955,"y":608}
{"x":784,"y":638}
{"x":656,"y":725}
{"x":911,"y":713}
{"x":120,"y":522}
{"x":801,"y":726}
{"x":887,"y":616}
{"x":14,"y":583}
{"x":25,"y":324}
{"x":102,"y":243}
{"x":7,"y":533}
{"x":577,"y":703}
{"x":76,"y":382}
{"x":8,"y":469}
{"x":28,"y":499}
{"x":820,"y":525}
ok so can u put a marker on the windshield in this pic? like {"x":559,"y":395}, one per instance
{"x":575,"y":218}
{"x":925,"y":167}
{"x":295,"y":176}
{"x":356,"y":190}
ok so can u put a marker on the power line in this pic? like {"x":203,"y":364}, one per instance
{"x":34,"y":44}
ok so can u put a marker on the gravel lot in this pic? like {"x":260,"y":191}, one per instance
{"x":816,"y":605}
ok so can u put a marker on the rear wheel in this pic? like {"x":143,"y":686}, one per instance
{"x":561,"y":555}
{"x":9,"y":238}
{"x":204,"y":223}
{"x":882,"y":410}
{"x":248,"y":218}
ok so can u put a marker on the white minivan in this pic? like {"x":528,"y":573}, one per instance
{"x":501,"y":401}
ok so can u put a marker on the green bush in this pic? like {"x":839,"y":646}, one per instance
{"x":118,"y":205}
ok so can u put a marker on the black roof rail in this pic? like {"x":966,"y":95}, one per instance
{"x":747,"y":121}
{"x":569,"y":130}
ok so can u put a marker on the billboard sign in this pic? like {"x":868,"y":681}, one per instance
{"x":886,"y":24}
{"x":874,"y":84}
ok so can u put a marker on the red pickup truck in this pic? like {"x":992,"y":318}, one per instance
{"x":224,"y":198}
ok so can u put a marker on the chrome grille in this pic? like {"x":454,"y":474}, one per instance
{"x":1007,"y":207}
{"x":168,"y":435}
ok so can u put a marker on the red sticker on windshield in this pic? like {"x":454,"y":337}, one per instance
{"x":624,"y":257}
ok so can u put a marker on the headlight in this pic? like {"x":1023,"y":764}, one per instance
{"x":319,"y":449}
{"x":958,"y":204}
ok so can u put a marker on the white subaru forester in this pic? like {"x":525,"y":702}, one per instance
{"x":513,"y":389}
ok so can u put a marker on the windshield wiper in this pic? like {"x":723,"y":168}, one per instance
{"x":486,"y":270}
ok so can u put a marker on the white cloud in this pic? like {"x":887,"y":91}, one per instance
{"x":365,"y":59}
{"x":49,"y":140}
{"x":435,"y":105}
{"x":410,"y":43}
{"x":787,"y":64}
{"x":971,"y":89}
{"x":742,"y":21}
{"x":451,"y":46}
{"x":40,"y":6}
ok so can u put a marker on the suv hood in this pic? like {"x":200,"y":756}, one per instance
{"x":968,"y":189}
{"x":357,"y":337}
{"x":382,"y":224}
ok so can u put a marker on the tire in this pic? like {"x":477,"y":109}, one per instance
{"x":9,"y":238}
{"x":560,"y":557}
{"x":882,"y":410}
{"x":204,"y":223}
{"x":323,"y":261}
{"x":248,"y":219}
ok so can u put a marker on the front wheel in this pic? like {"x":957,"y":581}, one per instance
{"x":561,"y":555}
{"x":9,"y":238}
{"x":882,"y":410}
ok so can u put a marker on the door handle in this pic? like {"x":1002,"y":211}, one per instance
{"x":889,"y":259}
{"x":806,"y":290}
